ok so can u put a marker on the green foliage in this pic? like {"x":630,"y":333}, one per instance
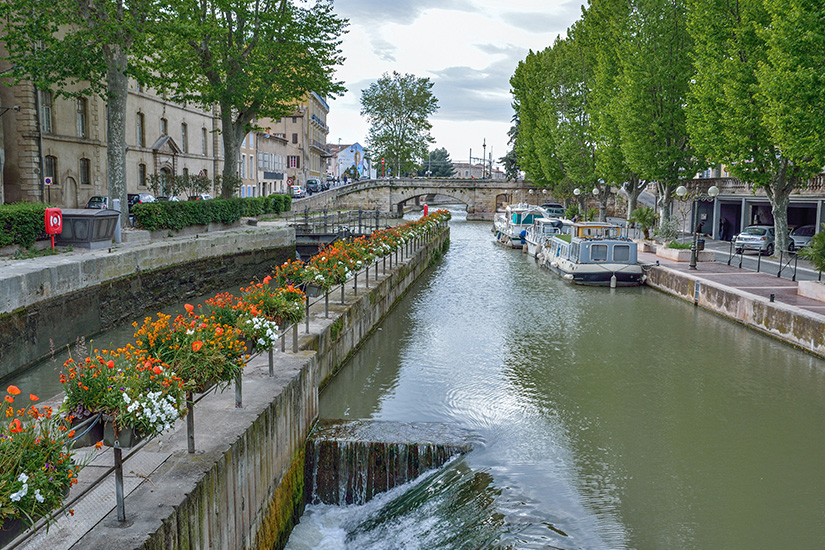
{"x":22,"y":223}
{"x":572,"y":211}
{"x":645,"y":217}
{"x":679,"y":246}
{"x":815,"y":251}
{"x":155,"y":216}
{"x":397,"y":108}
{"x":438,"y":163}
{"x":668,"y":230}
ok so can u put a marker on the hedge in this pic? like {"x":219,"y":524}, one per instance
{"x":177,"y":215}
{"x":22,"y":223}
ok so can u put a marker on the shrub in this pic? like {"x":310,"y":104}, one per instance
{"x":172,"y":215}
{"x":22,"y":223}
{"x":815,"y":251}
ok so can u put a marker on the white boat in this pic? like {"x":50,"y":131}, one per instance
{"x":538,"y":236}
{"x":594,"y":253}
{"x":511,"y":225}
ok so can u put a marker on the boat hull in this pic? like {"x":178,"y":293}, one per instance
{"x":597,"y":275}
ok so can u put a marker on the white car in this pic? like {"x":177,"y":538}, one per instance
{"x":755,"y":237}
{"x":297,"y":192}
{"x":801,"y":236}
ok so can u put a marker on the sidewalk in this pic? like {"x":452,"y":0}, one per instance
{"x":757,"y":284}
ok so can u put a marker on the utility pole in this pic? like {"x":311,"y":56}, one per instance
{"x":484,"y":156}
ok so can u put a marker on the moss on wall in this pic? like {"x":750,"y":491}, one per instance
{"x":284,"y":508}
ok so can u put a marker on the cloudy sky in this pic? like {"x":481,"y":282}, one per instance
{"x":468,"y":48}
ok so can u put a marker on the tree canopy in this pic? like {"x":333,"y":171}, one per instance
{"x":438,"y":163}
{"x":397,"y":108}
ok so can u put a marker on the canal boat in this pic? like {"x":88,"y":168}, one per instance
{"x":593,"y":253}
{"x":538,"y":236}
{"x":511,"y":225}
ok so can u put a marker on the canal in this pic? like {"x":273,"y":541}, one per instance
{"x":614,"y":419}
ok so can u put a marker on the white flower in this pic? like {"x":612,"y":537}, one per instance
{"x":23,"y":477}
{"x":38,"y":497}
{"x":15,"y":497}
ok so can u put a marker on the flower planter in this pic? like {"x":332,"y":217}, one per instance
{"x":114,"y":436}
{"x":87,"y":431}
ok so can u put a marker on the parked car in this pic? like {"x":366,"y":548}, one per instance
{"x":98,"y":202}
{"x":554,"y":209}
{"x":167,"y":199}
{"x":313,"y":186}
{"x":296,"y":192}
{"x":200,"y":197}
{"x":755,"y":237}
{"x":137,"y":198}
{"x":801,"y":236}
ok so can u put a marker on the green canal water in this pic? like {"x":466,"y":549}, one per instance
{"x":615,"y":419}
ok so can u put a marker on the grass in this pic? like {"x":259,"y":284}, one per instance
{"x":679,"y":246}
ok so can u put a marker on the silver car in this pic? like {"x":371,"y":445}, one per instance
{"x":755,"y":237}
{"x":801,"y":236}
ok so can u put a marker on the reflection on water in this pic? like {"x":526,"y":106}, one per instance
{"x":610,"y":418}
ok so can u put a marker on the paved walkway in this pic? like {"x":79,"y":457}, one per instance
{"x":759,"y":284}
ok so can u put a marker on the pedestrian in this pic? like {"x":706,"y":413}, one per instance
{"x":723,"y":229}
{"x":700,"y":227}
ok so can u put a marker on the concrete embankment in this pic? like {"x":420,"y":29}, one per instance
{"x":48,"y":302}
{"x":244,"y":487}
{"x":746,"y":297}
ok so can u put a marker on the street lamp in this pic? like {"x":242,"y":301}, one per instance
{"x":531,"y":194}
{"x":711,"y":195}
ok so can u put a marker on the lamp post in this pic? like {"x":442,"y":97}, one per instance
{"x":695,"y":197}
{"x":577,"y":192}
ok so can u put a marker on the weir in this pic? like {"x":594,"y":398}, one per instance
{"x":349,"y":462}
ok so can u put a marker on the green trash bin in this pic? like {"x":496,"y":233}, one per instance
{"x":700,"y":245}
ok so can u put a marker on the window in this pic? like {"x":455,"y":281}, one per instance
{"x":598,"y":252}
{"x":204,"y":141}
{"x":184,"y":137}
{"x":46,"y":111}
{"x":82,"y":107}
{"x":252,"y":166}
{"x":141,"y":130}
{"x":85,"y":172}
{"x":294,"y":119}
{"x":621,"y":253}
{"x":293,"y":161}
{"x":294,"y":138}
{"x":164,"y":127}
{"x":142,"y":175}
{"x":243,"y":166}
{"x":186,"y":173}
{"x":50,"y":168}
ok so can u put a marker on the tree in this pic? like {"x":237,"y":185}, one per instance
{"x":84,"y":47}
{"x":729,"y":109}
{"x":252,"y":59}
{"x":397,"y":108}
{"x":510,"y":160}
{"x":656,"y":70}
{"x":438,"y":164}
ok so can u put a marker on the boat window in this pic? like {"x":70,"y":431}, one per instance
{"x":598,"y":252}
{"x":621,"y":253}
{"x":574,"y":252}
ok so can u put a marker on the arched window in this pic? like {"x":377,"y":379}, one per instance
{"x":141,"y":175}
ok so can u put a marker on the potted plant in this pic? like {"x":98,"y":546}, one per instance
{"x":645,"y":217}
{"x":36,"y":464}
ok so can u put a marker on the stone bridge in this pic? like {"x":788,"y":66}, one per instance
{"x":482,"y":197}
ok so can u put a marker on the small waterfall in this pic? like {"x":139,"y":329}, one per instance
{"x":350,"y":462}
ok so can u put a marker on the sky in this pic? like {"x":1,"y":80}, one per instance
{"x":469,"y":49}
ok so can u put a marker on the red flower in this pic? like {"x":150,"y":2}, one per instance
{"x":196,"y":345}
{"x":267,"y":279}
{"x":9,"y":398}
{"x":14,"y":390}
{"x":33,"y":397}
{"x":15,"y":427}
{"x":110,"y":364}
{"x":189,"y":307}
{"x":157,"y":370}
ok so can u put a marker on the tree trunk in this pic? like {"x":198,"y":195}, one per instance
{"x":232,"y":137}
{"x":779,"y":193}
{"x":118,"y":90}
{"x":632,"y":192}
{"x":665,"y":200}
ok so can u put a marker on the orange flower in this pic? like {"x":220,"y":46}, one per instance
{"x":15,"y":427}
{"x":33,"y":397}
{"x":110,"y":364}
{"x":218,"y":331}
{"x":157,"y":370}
{"x":189,"y":308}
{"x":267,"y":279}
{"x":98,"y":445}
{"x":196,"y":345}
{"x":9,"y":398}
{"x":14,"y":390}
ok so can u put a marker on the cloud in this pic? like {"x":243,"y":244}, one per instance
{"x":545,"y":22}
{"x":465,"y":93}
{"x":383,"y":49}
{"x":404,"y":12}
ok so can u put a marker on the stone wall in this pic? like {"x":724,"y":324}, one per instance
{"x":82,"y":294}
{"x":791,"y":324}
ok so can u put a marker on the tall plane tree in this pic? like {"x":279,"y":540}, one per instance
{"x":397,"y":108}
{"x":656,"y":70}
{"x":80,"y":47}
{"x":252,"y":58}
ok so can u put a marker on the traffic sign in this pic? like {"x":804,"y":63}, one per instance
{"x":47,"y":180}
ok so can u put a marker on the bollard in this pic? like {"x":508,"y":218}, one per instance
{"x":190,"y":422}
{"x":772,"y":297}
{"x":271,"y":362}
{"x":239,"y":390}
{"x":294,"y":337}
{"x":119,"y":496}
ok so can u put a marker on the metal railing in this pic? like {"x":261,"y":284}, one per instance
{"x":355,"y":221}
{"x":409,"y":248}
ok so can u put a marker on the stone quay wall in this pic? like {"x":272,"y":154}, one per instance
{"x":49,"y":302}
{"x":244,"y":487}
{"x":785,"y":322}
